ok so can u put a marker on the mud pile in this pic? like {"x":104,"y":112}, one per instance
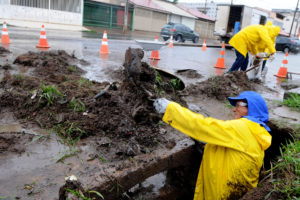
{"x":3,"y":51}
{"x":56,"y":97}
{"x":220,"y":87}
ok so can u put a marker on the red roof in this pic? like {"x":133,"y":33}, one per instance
{"x":196,"y":13}
{"x":148,"y":4}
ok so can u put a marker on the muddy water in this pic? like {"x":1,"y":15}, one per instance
{"x":38,"y":164}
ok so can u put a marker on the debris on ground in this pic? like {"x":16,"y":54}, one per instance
{"x":4,"y":51}
{"x":221,"y":87}
{"x":56,"y":97}
{"x":189,"y":73}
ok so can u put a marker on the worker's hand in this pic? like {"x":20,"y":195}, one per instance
{"x":261,"y":55}
{"x":272,"y":57}
{"x":161,"y":104}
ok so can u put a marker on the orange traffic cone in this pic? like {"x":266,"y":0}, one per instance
{"x":43,"y":40}
{"x":4,"y":35}
{"x":155,"y":53}
{"x":204,"y":45}
{"x":285,"y":61}
{"x":171,"y":41}
{"x":104,"y":44}
{"x":282,"y":72}
{"x":221,"y":60}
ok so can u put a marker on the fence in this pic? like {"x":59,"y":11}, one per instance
{"x":66,"y":5}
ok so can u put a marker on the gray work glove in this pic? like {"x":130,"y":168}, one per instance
{"x":161,"y":104}
{"x":272,"y":57}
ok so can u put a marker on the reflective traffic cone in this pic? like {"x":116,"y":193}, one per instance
{"x":285,"y":61}
{"x":155,"y":53}
{"x":43,"y":40}
{"x":221,"y":60}
{"x":204,"y":45}
{"x":104,"y":44}
{"x":4,"y":35}
{"x":282,"y":72}
{"x":219,"y":71}
{"x":171,"y":41}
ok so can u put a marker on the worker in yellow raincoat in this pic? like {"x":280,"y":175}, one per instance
{"x":234,"y":150}
{"x":254,"y":39}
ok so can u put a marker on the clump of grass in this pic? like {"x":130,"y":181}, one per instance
{"x":70,"y":132}
{"x":287,"y":169}
{"x":293,"y":101}
{"x":176,"y":83}
{"x":83,"y":197}
{"x":66,"y":154}
{"x":19,"y":77}
{"x":76,"y":105}
{"x":49,"y":93}
{"x":84,"y":82}
{"x":72,"y":68}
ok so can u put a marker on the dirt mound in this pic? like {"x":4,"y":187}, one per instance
{"x":3,"y":51}
{"x":57,"y":98}
{"x":189,"y":73}
{"x":220,"y":87}
{"x":14,"y":142}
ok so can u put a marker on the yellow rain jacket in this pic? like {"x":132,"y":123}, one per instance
{"x":255,"y":39}
{"x":232,"y":157}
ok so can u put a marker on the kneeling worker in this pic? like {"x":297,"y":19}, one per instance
{"x":234,"y":150}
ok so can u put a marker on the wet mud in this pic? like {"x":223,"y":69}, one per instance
{"x":14,"y":142}
{"x":221,"y":87}
{"x":119,"y":117}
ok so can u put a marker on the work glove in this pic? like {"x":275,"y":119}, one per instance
{"x":272,"y":57}
{"x":160,"y":105}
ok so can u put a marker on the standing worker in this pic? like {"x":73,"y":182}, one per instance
{"x":234,"y":150}
{"x":254,"y":39}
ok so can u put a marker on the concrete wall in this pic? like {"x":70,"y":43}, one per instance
{"x":24,"y":13}
{"x":256,"y":16}
{"x":189,"y":22}
{"x":205,"y":29}
{"x":148,"y":20}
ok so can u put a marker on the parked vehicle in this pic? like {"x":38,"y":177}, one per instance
{"x":180,"y":32}
{"x":232,"y":18}
{"x":287,"y":44}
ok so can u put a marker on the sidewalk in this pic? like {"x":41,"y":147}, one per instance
{"x":97,"y":32}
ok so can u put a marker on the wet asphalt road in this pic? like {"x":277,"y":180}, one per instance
{"x":86,"y":46}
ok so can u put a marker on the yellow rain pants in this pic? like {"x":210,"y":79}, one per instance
{"x":232,"y":157}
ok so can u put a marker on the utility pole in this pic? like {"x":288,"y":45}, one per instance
{"x":125,"y":17}
{"x":294,"y":18}
{"x":205,"y":6}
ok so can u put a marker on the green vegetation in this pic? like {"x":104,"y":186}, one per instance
{"x":83,"y":82}
{"x":66,"y":154}
{"x":72,"y":68}
{"x":293,"y":101}
{"x":81,"y":196}
{"x":19,"y":77}
{"x":76,"y":105}
{"x":70,"y":133}
{"x":287,"y":171}
{"x":49,"y":93}
{"x":176,"y":83}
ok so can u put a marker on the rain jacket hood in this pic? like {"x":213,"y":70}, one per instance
{"x":257,"y":107}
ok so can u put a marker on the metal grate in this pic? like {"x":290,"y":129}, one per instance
{"x":31,"y":3}
{"x":66,"y":5}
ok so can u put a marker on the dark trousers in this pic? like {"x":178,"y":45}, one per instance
{"x":240,"y":62}
{"x":263,"y":65}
